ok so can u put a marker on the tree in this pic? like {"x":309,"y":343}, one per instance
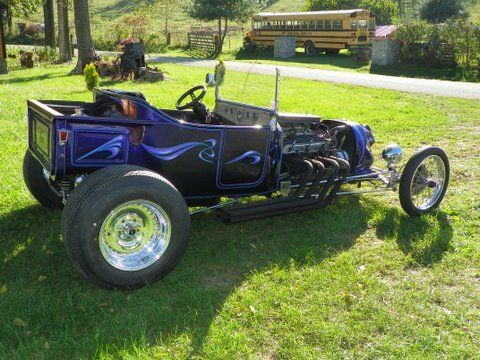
{"x":49,"y":20}
{"x":10,"y":7}
{"x":84,"y":36}
{"x":168,"y":7}
{"x":223,"y":11}
{"x":63,"y":31}
{"x":437,"y":11}
{"x":385,"y":10}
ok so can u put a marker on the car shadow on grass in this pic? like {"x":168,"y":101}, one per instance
{"x":425,"y":238}
{"x":81,"y":320}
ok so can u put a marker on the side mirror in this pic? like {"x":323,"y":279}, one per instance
{"x":210,"y":79}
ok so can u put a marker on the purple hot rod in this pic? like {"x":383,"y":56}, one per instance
{"x":126,"y":173}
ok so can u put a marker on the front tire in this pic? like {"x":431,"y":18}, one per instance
{"x":38,"y":185}
{"x":125,"y":228}
{"x":424,"y":181}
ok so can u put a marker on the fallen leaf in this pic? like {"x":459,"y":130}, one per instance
{"x":49,"y":252}
{"x":46,"y":345}
{"x":3,"y":289}
{"x":41,"y":278}
{"x":19,"y":322}
{"x":252,"y":309}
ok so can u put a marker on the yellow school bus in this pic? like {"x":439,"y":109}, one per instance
{"x":328,"y":31}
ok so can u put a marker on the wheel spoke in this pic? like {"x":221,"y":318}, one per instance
{"x":428,"y":182}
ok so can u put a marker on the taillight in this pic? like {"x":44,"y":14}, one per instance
{"x":62,"y":137}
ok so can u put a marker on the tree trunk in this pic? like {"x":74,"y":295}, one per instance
{"x":49,"y":19}
{"x":3,"y":48}
{"x":221,"y":34}
{"x":167,"y":3}
{"x":63,"y":31}
{"x":220,"y":45}
{"x":84,"y":36}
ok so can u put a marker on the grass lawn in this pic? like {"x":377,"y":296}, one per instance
{"x":359,"y":279}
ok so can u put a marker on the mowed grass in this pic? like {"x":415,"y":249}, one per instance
{"x":359,"y":279}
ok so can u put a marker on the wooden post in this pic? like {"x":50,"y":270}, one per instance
{"x":3,"y":47}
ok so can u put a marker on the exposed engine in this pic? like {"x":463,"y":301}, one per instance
{"x":313,"y":158}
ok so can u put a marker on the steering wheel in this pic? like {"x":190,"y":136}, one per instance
{"x":192,"y":94}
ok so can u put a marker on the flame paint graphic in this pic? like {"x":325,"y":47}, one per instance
{"x":206,"y":154}
{"x":113,"y":146}
{"x":255,"y":157}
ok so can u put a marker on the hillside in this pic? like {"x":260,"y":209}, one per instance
{"x":474,"y":10}
{"x":146,"y":19}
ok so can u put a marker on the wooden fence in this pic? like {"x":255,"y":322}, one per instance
{"x":203,"y":42}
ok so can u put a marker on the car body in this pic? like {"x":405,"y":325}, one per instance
{"x":127,"y":171}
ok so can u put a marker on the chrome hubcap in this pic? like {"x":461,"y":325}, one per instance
{"x":135,"y":235}
{"x":428,"y":182}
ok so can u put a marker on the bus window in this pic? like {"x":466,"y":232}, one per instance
{"x":328,"y":25}
{"x":353,"y":24}
{"x":337,"y":24}
{"x":371,"y":24}
{"x":319,"y":25}
{"x":362,"y":24}
{"x":311,"y":25}
{"x":303,"y":25}
{"x":256,"y":25}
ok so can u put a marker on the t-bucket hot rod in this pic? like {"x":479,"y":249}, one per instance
{"x":127,"y":172}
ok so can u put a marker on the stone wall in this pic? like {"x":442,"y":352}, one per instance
{"x":385,"y":52}
{"x":285,"y":47}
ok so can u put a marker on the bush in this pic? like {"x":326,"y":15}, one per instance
{"x":438,"y":11}
{"x":385,"y":10}
{"x":46,"y":54}
{"x":453,"y":43}
{"x":92,"y":79}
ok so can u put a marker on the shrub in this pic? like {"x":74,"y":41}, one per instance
{"x":437,"y":11}
{"x":385,"y":10}
{"x":92,"y":79}
{"x":453,"y":43}
{"x":46,"y":54}
{"x":220,"y":71}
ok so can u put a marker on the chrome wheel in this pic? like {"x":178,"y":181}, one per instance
{"x":428,"y":182}
{"x":135,"y":235}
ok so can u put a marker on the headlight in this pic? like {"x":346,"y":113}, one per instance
{"x":392,"y":153}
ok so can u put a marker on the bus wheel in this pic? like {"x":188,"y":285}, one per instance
{"x":332,"y":51}
{"x":310,"y":48}
{"x":249,"y":45}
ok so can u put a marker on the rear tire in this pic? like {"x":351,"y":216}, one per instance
{"x":310,"y":48}
{"x":38,"y":185}
{"x":125,"y":227}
